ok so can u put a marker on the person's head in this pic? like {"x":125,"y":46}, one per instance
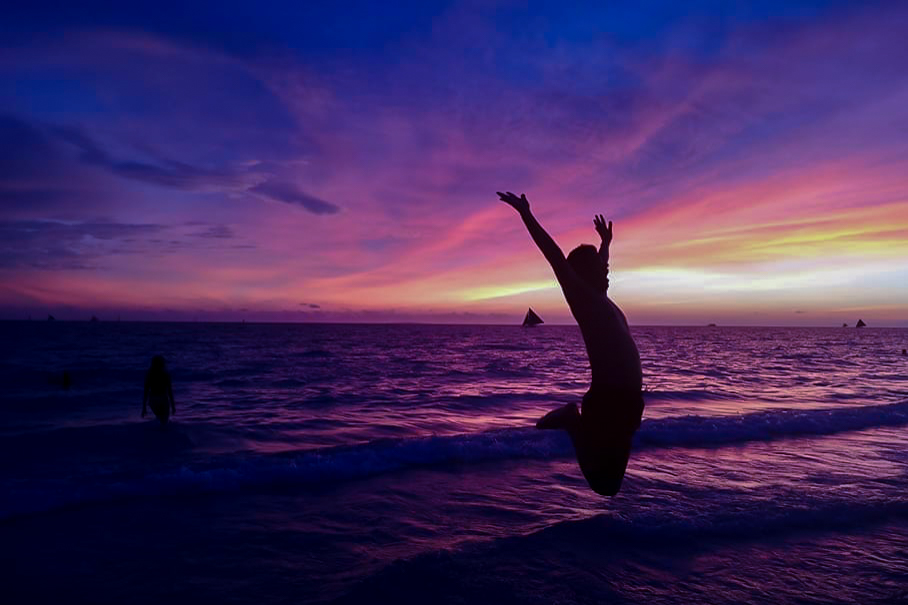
{"x":585,"y":261}
{"x":158,"y":364}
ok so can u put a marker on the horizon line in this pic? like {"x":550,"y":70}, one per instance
{"x":426,"y":323}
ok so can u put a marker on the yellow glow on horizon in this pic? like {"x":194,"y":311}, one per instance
{"x":501,"y":291}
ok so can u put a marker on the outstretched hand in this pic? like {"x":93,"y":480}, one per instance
{"x":604,"y":230}
{"x":520,"y":204}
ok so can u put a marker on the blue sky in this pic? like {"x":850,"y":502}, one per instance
{"x":331,"y":161}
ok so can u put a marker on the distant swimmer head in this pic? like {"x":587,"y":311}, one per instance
{"x":158,"y":364}
{"x":586,"y":263}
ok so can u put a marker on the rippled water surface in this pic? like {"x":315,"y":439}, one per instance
{"x":357,"y":462}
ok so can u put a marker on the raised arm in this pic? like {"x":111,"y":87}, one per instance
{"x":605,"y":232}
{"x":563,"y":272}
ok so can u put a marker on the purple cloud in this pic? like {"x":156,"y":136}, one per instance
{"x":282,"y":191}
{"x":167,"y":173}
{"x":64,"y":246}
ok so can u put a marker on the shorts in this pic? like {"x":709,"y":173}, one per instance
{"x":616,"y":414}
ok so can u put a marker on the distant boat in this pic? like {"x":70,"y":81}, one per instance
{"x":711,"y":325}
{"x":532,"y":319}
{"x":844,"y":325}
{"x":860,"y":324}
{"x":93,"y":318}
{"x":51,"y":318}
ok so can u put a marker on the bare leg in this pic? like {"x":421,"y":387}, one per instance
{"x":560,"y":418}
{"x":601,"y":454}
{"x":603,"y":464}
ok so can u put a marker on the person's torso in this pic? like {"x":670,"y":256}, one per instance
{"x":614,"y":358}
{"x":157,"y":385}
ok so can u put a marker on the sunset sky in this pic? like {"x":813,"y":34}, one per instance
{"x":319,"y":161}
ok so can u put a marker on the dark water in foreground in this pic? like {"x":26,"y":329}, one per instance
{"x":321,"y":463}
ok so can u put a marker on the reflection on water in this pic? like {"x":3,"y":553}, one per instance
{"x":344,"y":460}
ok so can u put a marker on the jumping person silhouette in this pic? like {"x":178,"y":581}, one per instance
{"x":612,"y":409}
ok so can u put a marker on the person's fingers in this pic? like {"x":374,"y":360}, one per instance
{"x":610,"y":226}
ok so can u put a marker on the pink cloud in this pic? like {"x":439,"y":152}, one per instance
{"x":781,"y":147}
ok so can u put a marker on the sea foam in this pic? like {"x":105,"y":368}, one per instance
{"x":233,"y":473}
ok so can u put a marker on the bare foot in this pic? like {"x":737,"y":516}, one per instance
{"x":559,"y":418}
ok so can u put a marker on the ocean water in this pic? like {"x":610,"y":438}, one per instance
{"x":399,"y":464}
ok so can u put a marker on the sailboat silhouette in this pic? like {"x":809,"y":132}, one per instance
{"x":532,"y":319}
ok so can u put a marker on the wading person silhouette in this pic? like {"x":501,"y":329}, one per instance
{"x":158,"y":391}
{"x":612,"y":409}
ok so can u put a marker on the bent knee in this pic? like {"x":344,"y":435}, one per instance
{"x":605,"y":474}
{"x":609,"y":486}
{"x":604,"y":481}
